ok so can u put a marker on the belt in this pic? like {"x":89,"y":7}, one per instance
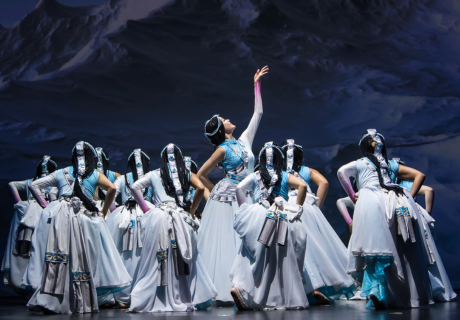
{"x":234,"y":178}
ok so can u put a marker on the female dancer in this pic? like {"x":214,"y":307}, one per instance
{"x":103,"y":167}
{"x":170,"y":274}
{"x":217,"y":241}
{"x":326,"y":259}
{"x":26,"y":214}
{"x":75,"y":256}
{"x":267,"y":272}
{"x":123,"y":223}
{"x":389,"y":254}
{"x":440,"y":283}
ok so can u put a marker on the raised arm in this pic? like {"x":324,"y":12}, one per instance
{"x":15,"y":187}
{"x":106,"y":185}
{"x":247,"y":185}
{"x":43,"y":183}
{"x":250,"y":132}
{"x":408,"y":173}
{"x":207,"y":167}
{"x":342,"y":205}
{"x":344,"y":174}
{"x":323,"y":186}
{"x":199,"y":192}
{"x":136,"y":191}
{"x":296,"y":183}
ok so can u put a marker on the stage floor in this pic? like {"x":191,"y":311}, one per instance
{"x":11,"y":309}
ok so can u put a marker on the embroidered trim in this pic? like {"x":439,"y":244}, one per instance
{"x":162,"y":255}
{"x":173,"y":244}
{"x":56,"y":257}
{"x":81,"y":276}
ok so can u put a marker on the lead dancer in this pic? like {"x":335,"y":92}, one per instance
{"x":124,"y":221}
{"x":218,"y":243}
{"x":170,"y":274}
{"x":267,"y":272}
{"x":388,"y":252}
{"x":76,"y":258}
{"x":326,"y":258}
{"x":26,"y":215}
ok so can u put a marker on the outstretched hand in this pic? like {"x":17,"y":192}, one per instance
{"x":260,"y":73}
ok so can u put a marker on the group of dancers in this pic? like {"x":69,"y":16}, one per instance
{"x":262,"y":241}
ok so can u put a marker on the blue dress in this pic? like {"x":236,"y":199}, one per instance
{"x":269,"y":275}
{"x":74,"y":264}
{"x":326,"y":259}
{"x":218,"y":242}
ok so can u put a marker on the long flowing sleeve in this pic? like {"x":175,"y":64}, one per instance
{"x":43,"y":183}
{"x":344,"y":174}
{"x":15,"y":187}
{"x":342,"y":205}
{"x":250,"y":132}
{"x":243,"y":187}
{"x":136,"y":191}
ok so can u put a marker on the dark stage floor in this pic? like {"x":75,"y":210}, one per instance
{"x":340,"y":310}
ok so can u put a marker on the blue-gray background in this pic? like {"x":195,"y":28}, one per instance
{"x":125,"y":74}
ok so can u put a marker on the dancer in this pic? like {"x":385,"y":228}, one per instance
{"x":123,"y":223}
{"x":217,"y":241}
{"x":440,"y":283}
{"x":170,"y":276}
{"x":267,"y":272}
{"x":326,"y":258}
{"x":103,"y":167}
{"x":26,"y":214}
{"x":388,"y":252}
{"x":76,"y":261}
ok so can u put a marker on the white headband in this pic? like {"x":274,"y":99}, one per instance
{"x":174,"y":174}
{"x":138,"y":160}
{"x":290,"y":154}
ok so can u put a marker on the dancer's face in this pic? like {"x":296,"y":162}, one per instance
{"x":229,"y":127}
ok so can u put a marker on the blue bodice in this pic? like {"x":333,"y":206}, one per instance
{"x":89,"y":182}
{"x":111,"y":176}
{"x":232,"y":160}
{"x":304,"y":172}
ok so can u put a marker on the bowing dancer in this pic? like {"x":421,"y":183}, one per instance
{"x":326,"y":258}
{"x":74,"y":261}
{"x":26,"y":215}
{"x":388,"y":253}
{"x":123,"y":223}
{"x":170,"y":276}
{"x":218,"y":243}
{"x":267,"y":272}
{"x":103,"y":167}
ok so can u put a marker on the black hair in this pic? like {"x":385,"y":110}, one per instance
{"x":91,"y":165}
{"x":219,"y":137}
{"x":193,"y":168}
{"x":133,"y":168}
{"x":105,"y":168}
{"x":277,"y":166}
{"x":183,"y":177}
{"x":298,"y":157}
{"x":51,"y":168}
{"x":367,"y":151}
{"x":256,"y":163}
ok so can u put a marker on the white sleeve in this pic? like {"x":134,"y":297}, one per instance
{"x":250,"y":132}
{"x":344,"y":174}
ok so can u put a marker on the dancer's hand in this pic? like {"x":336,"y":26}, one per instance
{"x":351,"y":227}
{"x":260,"y":73}
{"x":355,"y":199}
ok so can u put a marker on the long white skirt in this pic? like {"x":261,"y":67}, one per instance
{"x":13,"y":266}
{"x":326,"y":258}
{"x":407,"y":275}
{"x":182,"y":293}
{"x":218,"y":244}
{"x":107,"y":270}
{"x":440,"y":283}
{"x":130,"y":257}
{"x":269,"y":277}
